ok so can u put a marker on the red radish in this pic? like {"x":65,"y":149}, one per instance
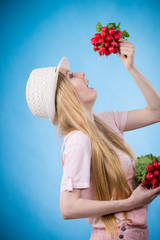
{"x":118,"y":44}
{"x":111,"y":49}
{"x":156,"y":164}
{"x":107,"y":45}
{"x":104,"y":29}
{"x":111,"y":31}
{"x":146,"y":182}
{"x":103,"y":34}
{"x":103,"y":49}
{"x":101,"y":40}
{"x":148,"y":185}
{"x":93,"y":41}
{"x":95,"y":48}
{"x":150,"y":168}
{"x":119,"y":32}
{"x":97,"y":36}
{"x":115,"y":50}
{"x":156,"y":173}
{"x":96,"y":43}
{"x":149,"y":176}
{"x":159,"y":178}
{"x":109,"y":38}
{"x":158,"y":184}
{"x":100,"y":52}
{"x":116,"y":37}
{"x":114,"y":44}
{"x":154,"y":186}
{"x":154,"y":181}
{"x":107,"y":53}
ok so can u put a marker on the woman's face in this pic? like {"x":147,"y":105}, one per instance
{"x":80,"y":83}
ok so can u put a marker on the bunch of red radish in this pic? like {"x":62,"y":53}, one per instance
{"x":152,"y":178}
{"x":106,"y":42}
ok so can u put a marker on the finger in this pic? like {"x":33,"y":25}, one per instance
{"x":123,"y":40}
{"x":126,"y":48}
{"x":126,"y":45}
{"x":143,"y":187}
{"x":155,"y":195}
{"x":130,"y":50}
{"x":158,"y":189}
{"x":155,"y":190}
{"x":124,"y":52}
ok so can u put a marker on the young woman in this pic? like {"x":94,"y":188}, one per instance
{"x":98,"y":164}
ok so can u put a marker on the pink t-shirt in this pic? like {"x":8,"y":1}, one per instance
{"x":76,"y":162}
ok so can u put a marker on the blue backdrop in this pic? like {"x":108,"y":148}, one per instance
{"x":38,"y":34}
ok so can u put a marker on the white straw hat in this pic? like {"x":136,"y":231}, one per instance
{"x":41,"y":89}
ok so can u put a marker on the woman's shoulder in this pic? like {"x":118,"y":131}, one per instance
{"x":77,"y":137}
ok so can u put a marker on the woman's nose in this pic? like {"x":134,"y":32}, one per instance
{"x":83,"y":74}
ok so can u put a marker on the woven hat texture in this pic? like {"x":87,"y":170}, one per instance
{"x":41,"y":88}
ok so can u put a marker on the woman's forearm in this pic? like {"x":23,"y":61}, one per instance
{"x":150,"y":94}
{"x":84,"y":208}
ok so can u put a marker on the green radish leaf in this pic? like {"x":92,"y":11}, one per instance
{"x":101,"y":45}
{"x":119,"y":25}
{"x":111,"y":25}
{"x":99,"y":27}
{"x":116,"y":28}
{"x":125,"y":34}
{"x":150,"y":155}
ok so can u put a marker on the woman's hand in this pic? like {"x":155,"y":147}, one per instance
{"x":126,"y":53}
{"x":142,"y":196}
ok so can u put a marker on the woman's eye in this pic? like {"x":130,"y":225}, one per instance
{"x":71,"y":75}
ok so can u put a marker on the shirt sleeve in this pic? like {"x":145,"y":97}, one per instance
{"x":77,"y":163}
{"x":120,"y":118}
{"x":116,"y":119}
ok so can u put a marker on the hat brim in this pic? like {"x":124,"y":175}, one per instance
{"x":64,"y":63}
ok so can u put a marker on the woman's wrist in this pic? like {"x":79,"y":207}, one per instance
{"x":132,"y":69}
{"x":129,"y":204}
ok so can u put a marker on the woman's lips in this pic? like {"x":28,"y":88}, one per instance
{"x":89,"y":87}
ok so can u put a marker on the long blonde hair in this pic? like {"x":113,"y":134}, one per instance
{"x":109,"y":180}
